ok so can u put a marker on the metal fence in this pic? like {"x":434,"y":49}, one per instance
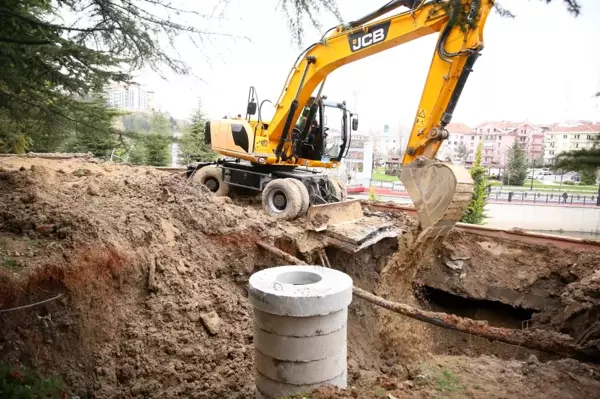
{"x":544,"y":198}
{"x":499,"y":195}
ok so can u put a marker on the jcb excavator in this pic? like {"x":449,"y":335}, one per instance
{"x":275,"y":157}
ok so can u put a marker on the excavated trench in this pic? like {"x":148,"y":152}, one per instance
{"x":153,"y":273}
{"x":494,"y":313}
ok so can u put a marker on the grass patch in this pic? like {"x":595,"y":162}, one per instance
{"x":17,"y":382}
{"x":380,"y":392}
{"x":442,"y":380}
{"x":548,"y":188}
{"x":9,"y":263}
{"x":448,"y":382}
{"x":378,"y":176}
{"x":306,"y":395}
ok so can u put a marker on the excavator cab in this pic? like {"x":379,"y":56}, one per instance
{"x":316,"y":135}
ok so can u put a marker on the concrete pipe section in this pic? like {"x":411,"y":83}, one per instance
{"x":300,"y":319}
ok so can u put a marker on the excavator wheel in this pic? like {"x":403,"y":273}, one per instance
{"x":282,"y":199}
{"x":440,"y":192}
{"x":339,"y":188}
{"x":304,"y":196}
{"x":212,"y":177}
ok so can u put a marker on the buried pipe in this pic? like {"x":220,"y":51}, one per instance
{"x":541,"y":340}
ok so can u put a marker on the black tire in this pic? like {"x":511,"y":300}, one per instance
{"x":339,"y":188}
{"x":212,"y":177}
{"x":282,"y":199}
{"x":303,"y":196}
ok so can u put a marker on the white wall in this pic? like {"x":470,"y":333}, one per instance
{"x":544,"y":217}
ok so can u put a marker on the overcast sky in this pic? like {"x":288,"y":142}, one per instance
{"x":543,"y":66}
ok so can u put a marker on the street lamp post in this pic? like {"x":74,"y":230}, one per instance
{"x":532,"y":170}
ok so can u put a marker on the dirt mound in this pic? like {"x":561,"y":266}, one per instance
{"x":148,"y":266}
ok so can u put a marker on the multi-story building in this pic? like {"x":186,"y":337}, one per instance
{"x":498,"y":137}
{"x":130,"y":97}
{"x":358,"y":164}
{"x":459,"y":136}
{"x":389,"y":141}
{"x":570,"y":136}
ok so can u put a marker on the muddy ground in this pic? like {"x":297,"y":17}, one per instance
{"x":152,"y":270}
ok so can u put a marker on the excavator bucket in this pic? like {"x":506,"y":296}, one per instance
{"x":346,"y":227}
{"x":441,"y":192}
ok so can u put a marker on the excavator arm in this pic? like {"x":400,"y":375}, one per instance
{"x":460,"y":27}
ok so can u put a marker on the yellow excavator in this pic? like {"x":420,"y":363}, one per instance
{"x":277,"y":158}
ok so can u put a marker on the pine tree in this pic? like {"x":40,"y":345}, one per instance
{"x":137,"y":151}
{"x":192,"y":145}
{"x":94,"y":134}
{"x":475,"y":213}
{"x":462,"y":151}
{"x":588,"y":175}
{"x":158,"y":142}
{"x":516,"y":171}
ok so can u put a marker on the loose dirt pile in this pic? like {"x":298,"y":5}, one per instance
{"x":149,"y":266}
{"x":152,"y":271}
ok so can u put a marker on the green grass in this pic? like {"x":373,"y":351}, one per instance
{"x":442,"y":380}
{"x":540,"y":187}
{"x":448,"y":382}
{"x":9,"y":263}
{"x":305,"y":395}
{"x":378,"y":176}
{"x":17,"y":382}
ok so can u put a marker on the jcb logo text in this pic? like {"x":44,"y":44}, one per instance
{"x":361,"y":40}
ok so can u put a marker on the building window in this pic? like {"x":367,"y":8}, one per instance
{"x":576,"y":145}
{"x":564,"y":136}
{"x":576,"y":136}
{"x":589,"y":136}
{"x":473,"y":137}
{"x":488,"y":130}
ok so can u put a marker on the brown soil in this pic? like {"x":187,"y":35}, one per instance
{"x":560,"y":286}
{"x":153,"y":270}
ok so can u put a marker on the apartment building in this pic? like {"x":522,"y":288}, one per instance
{"x":459,"y":135}
{"x":570,"y":136}
{"x":498,"y":137}
{"x":130,"y":97}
